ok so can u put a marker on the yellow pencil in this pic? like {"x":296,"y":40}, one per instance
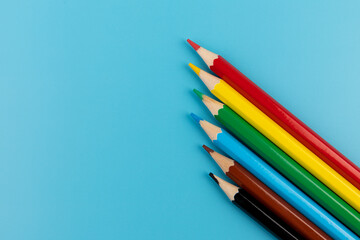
{"x":280,"y":137}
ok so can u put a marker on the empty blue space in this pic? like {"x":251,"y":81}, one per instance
{"x":96,"y":141}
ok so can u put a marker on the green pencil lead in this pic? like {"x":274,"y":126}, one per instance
{"x":198,"y":93}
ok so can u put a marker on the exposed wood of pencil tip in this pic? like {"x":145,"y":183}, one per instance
{"x":223,"y":162}
{"x":207,"y":56}
{"x":211,"y":130}
{"x":208,"y":79}
{"x":213,"y":105}
{"x":229,"y":189}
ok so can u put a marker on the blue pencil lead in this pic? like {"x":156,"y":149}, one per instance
{"x":195,"y":117}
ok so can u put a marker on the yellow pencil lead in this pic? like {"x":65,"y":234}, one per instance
{"x":195,"y":68}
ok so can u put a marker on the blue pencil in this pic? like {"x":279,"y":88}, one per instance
{"x":275,"y":181}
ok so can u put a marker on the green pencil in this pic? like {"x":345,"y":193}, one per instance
{"x":283,"y":163}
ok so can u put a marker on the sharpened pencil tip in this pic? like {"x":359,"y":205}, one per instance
{"x":196,"y":117}
{"x":214,"y":177}
{"x":209,"y":150}
{"x":198,"y":93}
{"x":195,"y":68}
{"x":194,"y":45}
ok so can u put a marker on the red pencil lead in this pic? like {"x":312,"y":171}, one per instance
{"x":194,"y":45}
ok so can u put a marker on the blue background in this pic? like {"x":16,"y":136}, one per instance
{"x":95,"y":138}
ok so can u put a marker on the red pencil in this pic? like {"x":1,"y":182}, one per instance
{"x":280,"y":115}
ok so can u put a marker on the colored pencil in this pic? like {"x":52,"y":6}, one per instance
{"x":280,"y":115}
{"x":267,"y":197}
{"x":274,"y":180}
{"x":282,"y":162}
{"x":256,"y":210}
{"x":281,"y":138}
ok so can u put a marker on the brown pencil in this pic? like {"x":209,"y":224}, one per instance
{"x":267,"y":197}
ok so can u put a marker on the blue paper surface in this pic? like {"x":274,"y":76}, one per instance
{"x":96,"y":140}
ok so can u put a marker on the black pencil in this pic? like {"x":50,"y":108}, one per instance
{"x":256,"y":210}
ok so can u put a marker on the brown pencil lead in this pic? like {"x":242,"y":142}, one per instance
{"x":209,"y":150}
